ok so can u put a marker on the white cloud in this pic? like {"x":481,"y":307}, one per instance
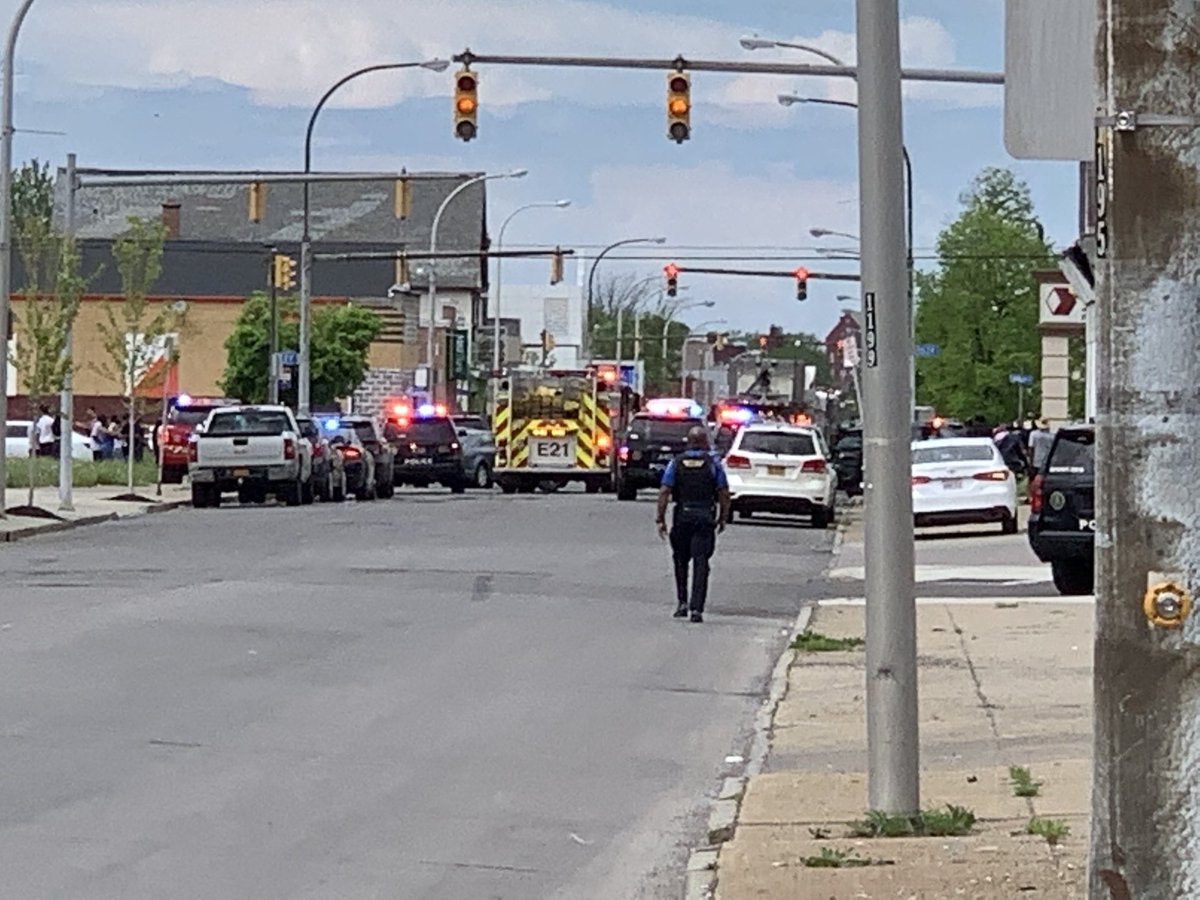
{"x":287,"y":52}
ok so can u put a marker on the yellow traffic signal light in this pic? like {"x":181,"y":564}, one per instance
{"x":679,"y":106}
{"x":284,"y":269}
{"x":466,"y":105}
{"x":556,"y":266}
{"x":258,"y":201}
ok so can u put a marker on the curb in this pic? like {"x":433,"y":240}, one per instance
{"x":701,"y":881}
{"x":21,"y":534}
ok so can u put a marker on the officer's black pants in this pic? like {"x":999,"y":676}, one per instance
{"x":693,"y":541}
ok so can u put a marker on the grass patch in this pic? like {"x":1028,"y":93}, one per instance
{"x":1022,"y":782}
{"x":1052,"y":830}
{"x":815,"y":642}
{"x":85,"y":473}
{"x":947,"y":821}
{"x":829,"y":858}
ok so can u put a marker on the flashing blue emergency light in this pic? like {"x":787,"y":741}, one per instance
{"x":183,"y":400}
{"x":736,"y":414}
{"x":332,"y":424}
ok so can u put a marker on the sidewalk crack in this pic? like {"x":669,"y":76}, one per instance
{"x":988,"y":709}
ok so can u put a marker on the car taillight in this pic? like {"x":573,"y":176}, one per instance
{"x":289,"y":448}
{"x":455,"y":447}
{"x":814,"y":465}
{"x":351,"y":452}
{"x":921,"y":479}
{"x":735,"y":461}
{"x":996,"y":475}
{"x":193,"y":452}
{"x":623,"y":454}
{"x":1035,"y":494}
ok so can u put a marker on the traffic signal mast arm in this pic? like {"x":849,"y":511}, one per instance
{"x":768,"y":273}
{"x":445,"y":254}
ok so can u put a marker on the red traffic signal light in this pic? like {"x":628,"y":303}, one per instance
{"x":801,"y":283}
{"x":672,"y":272}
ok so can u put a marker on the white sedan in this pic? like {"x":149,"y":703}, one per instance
{"x":780,"y":468}
{"x":962,"y":481}
{"x":16,"y":441}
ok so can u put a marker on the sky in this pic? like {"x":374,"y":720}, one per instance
{"x":231,"y":84}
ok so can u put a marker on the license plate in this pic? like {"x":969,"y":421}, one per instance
{"x":952,"y":484}
{"x":776,"y":470}
{"x":419,"y":461}
{"x":553,"y":452}
{"x":241,"y":473}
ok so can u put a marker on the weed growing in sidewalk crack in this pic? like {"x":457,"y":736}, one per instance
{"x":1053,"y":830}
{"x":829,"y":858}
{"x":820,"y":834}
{"x":1022,"y":782}
{"x":815,"y":642}
{"x":950,"y":821}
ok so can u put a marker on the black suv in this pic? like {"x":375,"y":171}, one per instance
{"x":427,"y":451}
{"x":848,"y":461}
{"x":650,"y":443}
{"x":1062,"y":511}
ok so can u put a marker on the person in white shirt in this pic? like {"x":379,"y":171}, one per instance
{"x":44,"y":431}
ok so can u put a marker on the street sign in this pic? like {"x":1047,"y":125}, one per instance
{"x":458,"y":366}
{"x":928,"y":349}
{"x":1021,"y":379}
{"x":289,"y":358}
{"x":1049,"y":78}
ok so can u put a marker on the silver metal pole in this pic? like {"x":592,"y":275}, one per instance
{"x":66,"y":446}
{"x":891,"y":652}
{"x":6,"y":136}
{"x":587,"y":316}
{"x":560,"y":204}
{"x":620,"y":322}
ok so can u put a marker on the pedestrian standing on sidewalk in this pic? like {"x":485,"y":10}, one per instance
{"x":1039,"y":445}
{"x":44,"y":431}
{"x":696,"y":481}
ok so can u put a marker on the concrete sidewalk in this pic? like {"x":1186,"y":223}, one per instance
{"x":93,"y":505}
{"x":1002,"y":684}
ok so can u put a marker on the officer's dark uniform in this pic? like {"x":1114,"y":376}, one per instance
{"x":694,"y":477}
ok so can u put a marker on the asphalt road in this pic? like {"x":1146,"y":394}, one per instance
{"x":433,"y":697}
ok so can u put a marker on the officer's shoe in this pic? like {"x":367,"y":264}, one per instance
{"x":697,"y":617}
{"x":681,"y":611}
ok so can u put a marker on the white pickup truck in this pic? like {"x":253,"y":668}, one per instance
{"x":254,"y":450}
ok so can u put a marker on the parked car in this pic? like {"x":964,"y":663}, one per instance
{"x":781,"y":468}
{"x":254,"y":450}
{"x":184,"y":413}
{"x":654,"y":438}
{"x":961,"y":481}
{"x":1062,"y":510}
{"x":478,"y":448}
{"x":428,"y":451}
{"x":328,"y":467}
{"x":16,"y":441}
{"x":848,"y":462}
{"x":361,"y":434}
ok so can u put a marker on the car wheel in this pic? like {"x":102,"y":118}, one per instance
{"x":483,"y":476}
{"x":201,"y":496}
{"x":821,"y":517}
{"x":245,"y":495}
{"x":625,"y":491}
{"x":1008,"y":524}
{"x":1073,"y":577}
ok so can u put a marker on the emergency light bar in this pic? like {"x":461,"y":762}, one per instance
{"x":677,"y":408}
{"x":736,"y":415}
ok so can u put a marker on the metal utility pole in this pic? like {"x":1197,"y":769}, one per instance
{"x":66,"y":445}
{"x":6,"y":136}
{"x":1145,"y":794}
{"x":891,"y":651}
{"x":273,"y":333}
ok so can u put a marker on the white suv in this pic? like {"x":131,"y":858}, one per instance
{"x":781,"y":468}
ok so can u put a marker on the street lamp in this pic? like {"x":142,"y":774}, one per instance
{"x":545,"y":204}
{"x":437,"y":219}
{"x":587,"y":323}
{"x":683,"y":371}
{"x":756,"y":43}
{"x":305,"y":373}
{"x":829,"y":232}
{"x":668,"y":320}
{"x":6,"y":136}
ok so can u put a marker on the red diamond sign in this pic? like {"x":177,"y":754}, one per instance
{"x":1060,"y":301}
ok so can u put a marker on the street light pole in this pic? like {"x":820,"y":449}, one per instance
{"x":305,"y":374}
{"x":66,"y":412}
{"x":6,"y":136}
{"x":669,"y":320}
{"x":437,"y":220}
{"x":547,"y":204}
{"x":757,"y":43}
{"x":587,"y":317}
{"x":891,"y":650}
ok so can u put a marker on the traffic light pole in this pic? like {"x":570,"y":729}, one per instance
{"x":891,"y":639}
{"x":273,"y":340}
{"x":1145,"y":794}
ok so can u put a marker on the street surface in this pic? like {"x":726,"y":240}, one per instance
{"x":432,"y":697}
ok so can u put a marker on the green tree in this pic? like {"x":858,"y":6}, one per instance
{"x":53,"y":291}
{"x":980,"y":305}
{"x":135,"y":331}
{"x":341,"y":339}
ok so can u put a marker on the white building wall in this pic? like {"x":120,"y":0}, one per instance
{"x":557,"y":308}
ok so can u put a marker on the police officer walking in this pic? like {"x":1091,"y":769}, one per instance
{"x":696,"y":481}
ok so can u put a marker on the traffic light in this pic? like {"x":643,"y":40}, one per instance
{"x":556,"y":266}
{"x":679,"y":106}
{"x":284,"y":269}
{"x":258,"y":201}
{"x":672,"y":272}
{"x":801,"y":284}
{"x":466,"y":105}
